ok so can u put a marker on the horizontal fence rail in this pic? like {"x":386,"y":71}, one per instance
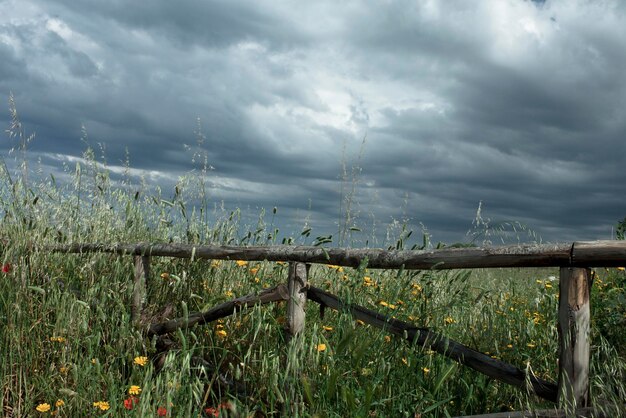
{"x":577,"y":254}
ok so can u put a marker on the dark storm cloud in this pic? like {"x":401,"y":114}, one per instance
{"x":519,"y":105}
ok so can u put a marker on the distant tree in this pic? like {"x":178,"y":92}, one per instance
{"x":620,"y":230}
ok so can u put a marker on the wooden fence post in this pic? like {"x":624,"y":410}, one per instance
{"x":296,"y":285}
{"x":142,"y":273}
{"x":574,"y":321}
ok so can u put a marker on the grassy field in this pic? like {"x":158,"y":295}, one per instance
{"x":69,"y":349}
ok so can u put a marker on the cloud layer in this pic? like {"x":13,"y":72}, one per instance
{"x":441,"y":105}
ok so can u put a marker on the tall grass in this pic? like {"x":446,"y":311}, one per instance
{"x":69,"y":345}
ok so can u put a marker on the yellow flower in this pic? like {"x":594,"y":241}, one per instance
{"x":215,"y":263}
{"x":509,"y":346}
{"x":43,"y":407}
{"x":327,"y":328}
{"x":334,"y":267}
{"x":449,"y":320}
{"x":621,"y":268}
{"x":57,"y":339}
{"x":165,"y":276}
{"x":548,"y":285}
{"x":241,"y":263}
{"x":229,"y":294}
{"x":134,"y":390}
{"x":531,"y":345}
{"x":63,"y":369}
{"x":383,"y":303}
{"x":426,"y":370}
{"x":102,"y":405}
{"x":59,"y":403}
{"x":405,"y":361}
{"x":141,"y":360}
{"x":221,"y":333}
{"x":387,"y":338}
{"x":321,"y":347}
{"x":359,"y":322}
{"x":254,"y":270}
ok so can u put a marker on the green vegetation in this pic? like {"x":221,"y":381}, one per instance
{"x":69,"y":348}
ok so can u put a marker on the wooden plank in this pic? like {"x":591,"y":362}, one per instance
{"x":274,"y":294}
{"x":586,"y":254}
{"x":605,"y":253}
{"x":574,"y":321}
{"x":142,"y":273}
{"x":480,"y":362}
{"x":296,"y":284}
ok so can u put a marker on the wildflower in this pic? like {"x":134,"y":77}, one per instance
{"x":359,"y":322}
{"x":57,"y":339}
{"x":321,"y":347}
{"x":426,"y":370}
{"x":254,"y":270}
{"x":386,"y":305}
{"x":417,"y":287}
{"x":327,"y":328}
{"x":59,"y":403}
{"x":6,"y":268}
{"x":548,"y":285}
{"x":531,"y":345}
{"x":141,"y":360}
{"x":212,"y":411}
{"x":241,"y":263}
{"x":221,"y":333}
{"x":449,"y":320}
{"x":94,"y":361}
{"x":334,"y":267}
{"x":405,"y":361}
{"x":130,"y":402}
{"x":43,"y":407}
{"x":215,"y":263}
{"x":165,"y":276}
{"x":161,"y":412}
{"x":102,"y":405}
{"x":387,"y":338}
{"x":509,"y":346}
{"x":229,"y":294}
{"x":63,"y":369}
{"x":134,"y":390}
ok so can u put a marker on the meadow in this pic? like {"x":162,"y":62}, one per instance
{"x":70,"y":350}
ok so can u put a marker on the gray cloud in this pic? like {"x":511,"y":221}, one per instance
{"x":516,"y":104}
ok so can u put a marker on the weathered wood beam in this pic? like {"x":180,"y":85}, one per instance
{"x":582,"y":254}
{"x":274,"y":294}
{"x":296,"y":284}
{"x":574,"y":327}
{"x":480,"y":362}
{"x":142,"y":274}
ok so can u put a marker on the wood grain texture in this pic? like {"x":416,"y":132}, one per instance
{"x":574,"y":328}
{"x":581,"y":254}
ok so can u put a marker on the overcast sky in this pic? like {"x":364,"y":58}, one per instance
{"x":520,"y":105}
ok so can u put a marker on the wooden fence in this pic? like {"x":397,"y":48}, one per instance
{"x":574,"y":259}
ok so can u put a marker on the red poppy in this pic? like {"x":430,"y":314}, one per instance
{"x":6,"y":268}
{"x":162,"y":412}
{"x":131,"y":402}
{"x":211,"y":411}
